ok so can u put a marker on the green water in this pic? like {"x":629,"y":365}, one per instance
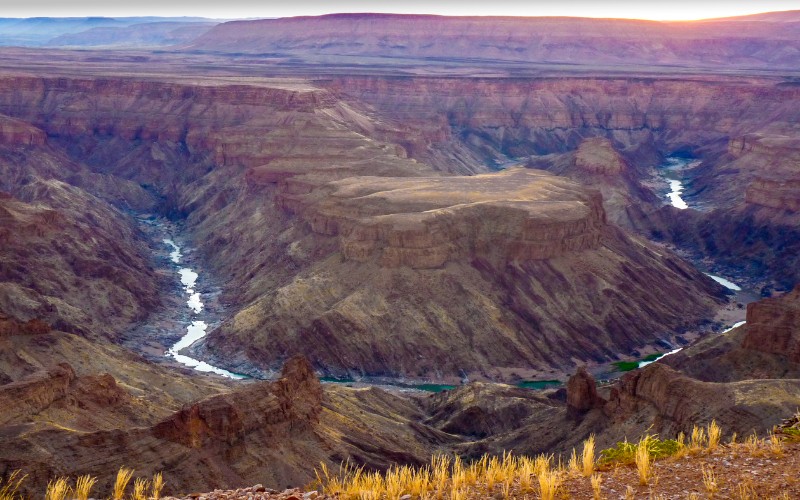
{"x":539,"y":384}
{"x":419,"y":387}
{"x":626,"y":366}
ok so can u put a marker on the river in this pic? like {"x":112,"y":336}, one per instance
{"x":672,"y":170}
{"x":195,"y":330}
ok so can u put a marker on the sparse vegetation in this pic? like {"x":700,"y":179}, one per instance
{"x":630,"y":470}
{"x":121,"y":483}
{"x":57,"y":489}
{"x":643,"y":461}
{"x":9,"y":489}
{"x":83,"y":486}
{"x":158,"y":486}
{"x":587,"y":456}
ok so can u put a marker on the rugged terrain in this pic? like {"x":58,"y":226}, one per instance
{"x":336,"y":229}
{"x":351,"y":209}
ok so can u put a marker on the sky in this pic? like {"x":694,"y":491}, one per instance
{"x":233,"y":9}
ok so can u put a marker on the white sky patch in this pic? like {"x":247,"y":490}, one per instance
{"x":238,"y":9}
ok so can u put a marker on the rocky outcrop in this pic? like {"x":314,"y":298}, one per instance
{"x":672,"y":402}
{"x":598,"y":156}
{"x":293,"y":402}
{"x":18,"y":133}
{"x":517,"y":215}
{"x":773,"y":326}
{"x":12,"y":326}
{"x":582,"y":393}
{"x":32,"y":394}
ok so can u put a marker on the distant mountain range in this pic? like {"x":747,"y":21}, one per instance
{"x":769,"y":40}
{"x":101,"y":31}
{"x":762,"y":41}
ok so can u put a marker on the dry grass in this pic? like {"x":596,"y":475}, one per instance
{"x":710,"y":480}
{"x":57,"y":489}
{"x":10,"y":489}
{"x":775,"y":445}
{"x":587,"y":456}
{"x":158,"y":486}
{"x":83,"y":486}
{"x":597,"y":482}
{"x":510,"y":476}
{"x":714,"y":433}
{"x":549,"y":482}
{"x":121,"y":483}
{"x":632,"y":474}
{"x":644,"y":464}
{"x":140,"y":488}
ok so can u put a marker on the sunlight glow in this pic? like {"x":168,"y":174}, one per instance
{"x":233,"y":9}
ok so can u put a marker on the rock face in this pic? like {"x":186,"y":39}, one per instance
{"x":746,"y":41}
{"x":293,"y":403}
{"x":582,"y":393}
{"x":674,"y":402}
{"x":33,"y":394}
{"x":517,"y":215}
{"x":598,"y":156}
{"x":773,"y":326}
{"x":18,"y":133}
{"x":66,"y":259}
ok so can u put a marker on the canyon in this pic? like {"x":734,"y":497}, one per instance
{"x":367,"y":207}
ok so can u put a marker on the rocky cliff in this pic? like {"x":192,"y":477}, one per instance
{"x":773,"y":326}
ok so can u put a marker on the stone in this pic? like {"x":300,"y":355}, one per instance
{"x":582,"y":393}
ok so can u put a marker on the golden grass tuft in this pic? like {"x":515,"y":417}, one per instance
{"x":644,"y":464}
{"x":121,"y":483}
{"x":697,"y":440}
{"x":588,"y":456}
{"x":57,"y":489}
{"x":140,"y":488}
{"x":10,"y":489}
{"x":549,"y":482}
{"x":775,"y":445}
{"x":714,"y":433}
{"x":572,"y":464}
{"x":83,"y":486}
{"x":710,"y":480}
{"x":597,"y":482}
{"x":745,"y":490}
{"x":158,"y":486}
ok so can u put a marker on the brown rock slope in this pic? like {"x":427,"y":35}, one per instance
{"x":537,"y":270}
{"x":67,"y":260}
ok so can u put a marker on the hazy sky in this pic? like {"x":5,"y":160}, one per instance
{"x":640,"y":9}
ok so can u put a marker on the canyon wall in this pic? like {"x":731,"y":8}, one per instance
{"x":329,"y":236}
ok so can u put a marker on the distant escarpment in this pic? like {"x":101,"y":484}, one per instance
{"x":750,"y":42}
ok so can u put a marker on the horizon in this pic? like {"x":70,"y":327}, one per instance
{"x":658,"y":10}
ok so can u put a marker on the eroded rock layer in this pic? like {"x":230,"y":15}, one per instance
{"x":337,"y":245}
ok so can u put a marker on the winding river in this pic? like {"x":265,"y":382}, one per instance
{"x":196,"y":330}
